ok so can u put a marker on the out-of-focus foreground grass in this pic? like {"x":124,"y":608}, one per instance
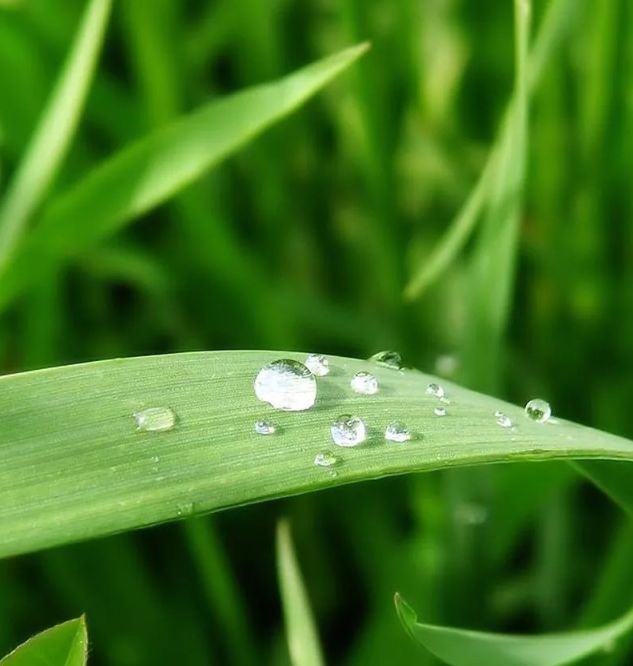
{"x":308,"y":240}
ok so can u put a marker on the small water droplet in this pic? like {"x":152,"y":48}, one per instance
{"x":398,"y":432}
{"x":325,"y":459}
{"x":317,"y":364}
{"x":435,"y":390}
{"x":184,"y":509}
{"x":365,"y":383}
{"x":265,"y":428}
{"x":348,"y":430}
{"x":503,"y":419}
{"x":388,"y":359}
{"x":440,"y":411}
{"x":286,"y":384}
{"x":538,"y":410}
{"x":155,"y":419}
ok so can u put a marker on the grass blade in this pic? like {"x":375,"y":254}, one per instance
{"x":303,"y":639}
{"x":150,"y":171}
{"x":460,"y":647}
{"x":63,"y":645}
{"x":55,"y":131}
{"x":72,"y":465}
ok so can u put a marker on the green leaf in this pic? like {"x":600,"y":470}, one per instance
{"x":155,"y":168}
{"x":55,"y":131}
{"x":615,"y":480}
{"x":63,"y":645}
{"x":303,"y":639}
{"x":460,"y":647}
{"x":73,"y":466}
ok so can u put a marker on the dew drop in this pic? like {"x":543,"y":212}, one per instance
{"x":155,"y":419}
{"x":325,"y":459}
{"x":317,"y":364}
{"x":365,"y":383}
{"x":503,"y":419}
{"x":286,"y":384}
{"x":388,"y":359}
{"x":440,"y":411}
{"x":348,"y":430}
{"x":184,"y":509}
{"x":398,"y":432}
{"x":538,"y":410}
{"x":265,"y":428}
{"x":436,"y":391}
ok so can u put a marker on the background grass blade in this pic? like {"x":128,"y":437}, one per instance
{"x":148,"y":172}
{"x":55,"y":130}
{"x":301,"y":631}
{"x":459,"y":647}
{"x":63,"y":645}
{"x":72,"y":465}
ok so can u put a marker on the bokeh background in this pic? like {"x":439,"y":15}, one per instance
{"x":306,"y":240}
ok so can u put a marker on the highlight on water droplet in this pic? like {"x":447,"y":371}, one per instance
{"x":503,"y":419}
{"x":317,"y":364}
{"x":538,"y":410}
{"x":324,"y":459}
{"x":436,"y":391}
{"x":397,"y":432}
{"x":155,"y":419}
{"x":265,"y":427}
{"x":440,"y":411}
{"x":388,"y":359}
{"x":348,"y":430}
{"x":365,"y":383}
{"x":286,"y":384}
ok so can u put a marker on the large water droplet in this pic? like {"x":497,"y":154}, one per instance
{"x":435,"y":390}
{"x":286,"y":384}
{"x":440,"y":411}
{"x":503,"y":419}
{"x":388,"y":359}
{"x":348,"y":430}
{"x":538,"y":410}
{"x":398,"y":432}
{"x":318,"y":365}
{"x":325,"y":459}
{"x":155,"y":419}
{"x":265,"y":428}
{"x":365,"y":383}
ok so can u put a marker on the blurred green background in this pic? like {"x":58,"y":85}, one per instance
{"x":306,"y":241}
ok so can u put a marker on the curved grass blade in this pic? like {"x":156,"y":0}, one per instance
{"x":614,"y":480}
{"x":156,"y":167}
{"x":73,"y":466}
{"x":460,"y":647}
{"x":63,"y":645}
{"x":303,"y":639}
{"x":55,"y":131}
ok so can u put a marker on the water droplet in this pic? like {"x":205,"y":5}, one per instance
{"x":155,"y":419}
{"x":440,"y":411}
{"x":388,"y":359}
{"x":435,"y":390}
{"x":538,"y":410}
{"x":502,"y":419}
{"x":365,"y":383}
{"x":325,"y":459}
{"x":348,"y":430}
{"x":265,"y":428}
{"x":184,"y":509}
{"x":398,"y":432}
{"x":318,"y":365}
{"x":286,"y":384}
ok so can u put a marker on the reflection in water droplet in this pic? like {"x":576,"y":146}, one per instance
{"x":348,"y":430}
{"x":155,"y":419}
{"x":318,"y":365}
{"x":388,"y":359}
{"x":538,"y":410}
{"x":502,"y":419}
{"x":398,"y":432}
{"x":440,"y":411}
{"x":435,"y":390}
{"x":365,"y":383}
{"x":265,"y":428}
{"x":286,"y":384}
{"x":325,"y":459}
